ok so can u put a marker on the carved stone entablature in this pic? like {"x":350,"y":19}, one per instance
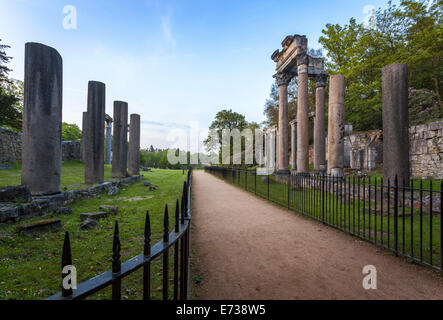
{"x":293,"y":122}
{"x":108,"y":118}
{"x":286,"y":59}
{"x":302,"y":59}
{"x":275,"y":56}
{"x":320,"y":80}
{"x":283,"y":79}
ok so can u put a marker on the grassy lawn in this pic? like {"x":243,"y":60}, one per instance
{"x":72,"y":176}
{"x":417,"y":235}
{"x":30,"y":265}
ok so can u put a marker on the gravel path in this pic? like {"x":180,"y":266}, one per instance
{"x":247,"y":248}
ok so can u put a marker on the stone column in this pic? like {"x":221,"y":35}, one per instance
{"x":108,"y":120}
{"x":42,"y":120}
{"x":302,"y":115}
{"x":134,"y":145}
{"x":84,"y":121}
{"x":120,"y":146}
{"x":272,"y":149}
{"x":395,"y":123}
{"x":283,"y":80}
{"x":95,"y":133}
{"x":319,"y":124}
{"x":336,"y":125}
{"x":294,"y":145}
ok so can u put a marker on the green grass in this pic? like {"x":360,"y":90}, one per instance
{"x":30,"y":265}
{"x":354,"y":216}
{"x":72,"y":176}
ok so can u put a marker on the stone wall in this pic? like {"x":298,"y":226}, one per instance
{"x":11,"y":147}
{"x":426,"y":150}
{"x":366,"y":150}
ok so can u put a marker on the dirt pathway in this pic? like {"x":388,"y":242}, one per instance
{"x":247,"y":248}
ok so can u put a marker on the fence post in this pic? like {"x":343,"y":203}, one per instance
{"x":116,"y":265}
{"x":66,"y":261}
{"x":166,"y":254}
{"x":395,"y":215}
{"x":323,"y":198}
{"x":147,"y":253}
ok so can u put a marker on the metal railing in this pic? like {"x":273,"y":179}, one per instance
{"x":179,"y":239}
{"x":406,"y":219}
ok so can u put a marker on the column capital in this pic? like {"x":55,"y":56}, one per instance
{"x":282,"y":78}
{"x":320,"y":80}
{"x":302,"y":58}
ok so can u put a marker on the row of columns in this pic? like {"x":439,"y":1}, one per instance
{"x":42,"y":127}
{"x":395,"y":123}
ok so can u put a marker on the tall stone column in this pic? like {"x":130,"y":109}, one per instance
{"x":336,"y":125}
{"x":395,"y":123}
{"x":302,"y":115}
{"x":95,"y":133}
{"x":108,"y":120}
{"x":42,"y":120}
{"x":272,"y":149}
{"x":283,"y":80}
{"x":120,"y":146}
{"x":293,"y":145}
{"x":84,"y":121}
{"x":319,"y":124}
{"x":134,"y":145}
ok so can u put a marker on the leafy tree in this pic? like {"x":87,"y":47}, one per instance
{"x":11,"y":95}
{"x":4,"y":59}
{"x":409,"y":33}
{"x":71,"y":132}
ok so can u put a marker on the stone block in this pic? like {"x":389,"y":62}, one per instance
{"x":14,"y":194}
{"x":41,"y":226}
{"x":109,"y":209}
{"x":93,"y":216}
{"x":8,"y":212}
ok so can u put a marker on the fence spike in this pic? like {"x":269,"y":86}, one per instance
{"x":66,"y":261}
{"x":183,"y":209}
{"x":177,"y":213}
{"x":147,"y":246}
{"x":116,"y":263}
{"x":166,"y":225}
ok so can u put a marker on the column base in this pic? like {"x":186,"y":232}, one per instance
{"x":283,"y":176}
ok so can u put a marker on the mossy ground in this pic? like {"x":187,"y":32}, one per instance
{"x":30,"y":265}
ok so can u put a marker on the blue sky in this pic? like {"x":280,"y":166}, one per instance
{"x":173,"y":61}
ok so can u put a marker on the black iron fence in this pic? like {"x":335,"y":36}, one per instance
{"x":405,"y":218}
{"x":179,"y":240}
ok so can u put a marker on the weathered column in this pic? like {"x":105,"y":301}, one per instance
{"x":283,"y":80}
{"x":120,"y":140}
{"x":84,"y":121}
{"x":395,"y":123}
{"x":95,"y":133}
{"x":108,"y":120}
{"x":302,"y":115}
{"x":336,"y":125}
{"x":319,"y":124}
{"x":134,"y":145}
{"x":272,"y":149}
{"x":293,"y":145}
{"x":42,"y":120}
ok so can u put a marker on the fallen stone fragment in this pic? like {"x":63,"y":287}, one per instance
{"x":93,"y":215}
{"x":15,"y":194}
{"x":113,"y":191}
{"x":88,"y":224}
{"x":109,"y":209}
{"x":64,"y":211}
{"x":41,"y":226}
